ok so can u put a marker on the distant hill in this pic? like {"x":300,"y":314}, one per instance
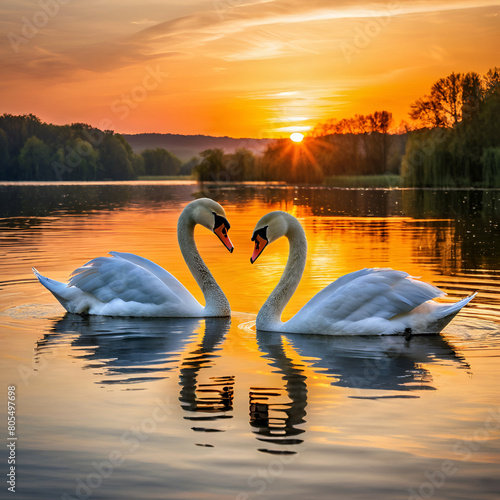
{"x":187,"y":146}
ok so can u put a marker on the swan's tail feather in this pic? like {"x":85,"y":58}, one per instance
{"x":446,"y":313}
{"x":59,"y":290}
{"x":454,"y":308}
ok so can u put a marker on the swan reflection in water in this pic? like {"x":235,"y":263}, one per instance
{"x":210,"y":402}
{"x":375,"y":367}
{"x":277,"y":413}
{"x":124,"y":350}
{"x":386,"y":363}
{"x":128,"y":351}
{"x":134,"y":350}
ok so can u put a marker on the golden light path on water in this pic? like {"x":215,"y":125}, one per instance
{"x":197,"y":406}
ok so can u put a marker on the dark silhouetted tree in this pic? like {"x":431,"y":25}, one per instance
{"x":4,"y":155}
{"x":159,"y":161}
{"x":114,"y":157}
{"x":462,"y":150}
{"x":35,"y":160}
{"x":443,"y":107}
{"x":211,"y":167}
{"x":240,"y":165}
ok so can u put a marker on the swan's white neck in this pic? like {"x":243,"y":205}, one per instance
{"x":216,"y":303}
{"x":269,"y":317}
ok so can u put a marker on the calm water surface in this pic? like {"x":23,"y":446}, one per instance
{"x":110,"y":408}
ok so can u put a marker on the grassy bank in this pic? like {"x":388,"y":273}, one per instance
{"x":367,"y":181}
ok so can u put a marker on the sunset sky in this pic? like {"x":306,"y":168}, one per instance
{"x":242,"y":68}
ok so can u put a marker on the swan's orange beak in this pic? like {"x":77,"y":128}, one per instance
{"x":221,"y":232}
{"x":260,"y":244}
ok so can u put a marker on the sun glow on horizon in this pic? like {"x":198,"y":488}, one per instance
{"x":297,"y":137}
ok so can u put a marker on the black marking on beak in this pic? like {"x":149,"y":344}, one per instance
{"x":261,"y":241}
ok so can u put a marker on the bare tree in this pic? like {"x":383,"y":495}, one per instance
{"x":380,"y":121}
{"x":443,"y":107}
{"x":491,"y":81}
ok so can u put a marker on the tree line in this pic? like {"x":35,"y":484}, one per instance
{"x":458,"y":142}
{"x":358,"y":146}
{"x":454,"y":140}
{"x":33,"y":150}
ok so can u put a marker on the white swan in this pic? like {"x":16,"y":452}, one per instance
{"x":366,"y":302}
{"x":128,"y":285}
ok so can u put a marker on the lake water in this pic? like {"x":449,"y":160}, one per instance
{"x":131,"y":409}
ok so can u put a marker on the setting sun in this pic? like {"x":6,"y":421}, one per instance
{"x":297,"y":137}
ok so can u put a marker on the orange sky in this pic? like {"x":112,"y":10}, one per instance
{"x":243,"y":68}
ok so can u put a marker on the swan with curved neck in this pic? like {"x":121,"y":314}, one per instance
{"x":128,"y":285}
{"x":365,"y":302}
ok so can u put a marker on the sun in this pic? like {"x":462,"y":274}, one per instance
{"x":297,"y":137}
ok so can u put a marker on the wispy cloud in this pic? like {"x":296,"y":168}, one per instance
{"x":244,"y":50}
{"x":258,"y":30}
{"x":255,"y":27}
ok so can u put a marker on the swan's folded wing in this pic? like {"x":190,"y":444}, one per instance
{"x":382,"y":293}
{"x":109,"y":278}
{"x":170,"y":280}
